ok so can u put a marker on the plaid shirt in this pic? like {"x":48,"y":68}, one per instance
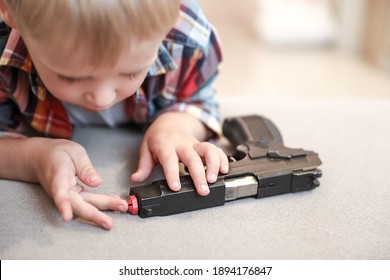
{"x":179,"y":80}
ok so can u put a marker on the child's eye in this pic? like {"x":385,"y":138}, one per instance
{"x":132,"y":76}
{"x":69,"y":80}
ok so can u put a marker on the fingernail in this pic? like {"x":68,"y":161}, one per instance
{"x":175,"y":185}
{"x":204,"y":188}
{"x":122,"y":208}
{"x":213,"y":177}
{"x":225,"y":168}
{"x":93,"y":178}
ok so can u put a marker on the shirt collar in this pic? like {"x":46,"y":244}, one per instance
{"x":163,"y":63}
{"x":15,"y":53}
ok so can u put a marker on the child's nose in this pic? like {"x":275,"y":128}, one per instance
{"x":101,"y":98}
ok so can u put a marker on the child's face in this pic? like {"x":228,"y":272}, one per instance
{"x":93,"y":88}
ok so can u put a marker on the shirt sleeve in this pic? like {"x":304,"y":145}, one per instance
{"x":190,"y":87}
{"x":7,"y":109}
{"x":7,"y":123}
{"x":195,"y":50}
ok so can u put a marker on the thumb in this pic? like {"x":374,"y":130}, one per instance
{"x":86,"y":172}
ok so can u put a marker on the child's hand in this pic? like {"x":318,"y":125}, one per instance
{"x":173,"y":137}
{"x":58,"y":164}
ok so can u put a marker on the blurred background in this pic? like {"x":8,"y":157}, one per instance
{"x":303,"y":47}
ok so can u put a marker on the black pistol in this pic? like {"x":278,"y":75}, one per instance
{"x":261,"y":166}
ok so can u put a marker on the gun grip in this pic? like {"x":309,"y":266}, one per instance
{"x":253,"y":129}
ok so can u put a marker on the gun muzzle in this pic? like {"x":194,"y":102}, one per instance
{"x":133,"y":205}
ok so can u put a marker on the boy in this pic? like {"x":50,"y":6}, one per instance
{"x":67,"y":63}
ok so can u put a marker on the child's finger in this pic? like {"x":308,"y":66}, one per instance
{"x":58,"y":188}
{"x":196,"y":169}
{"x":105,"y":202}
{"x":88,"y":212}
{"x":64,"y":207}
{"x":145,"y":165}
{"x":84,"y":169}
{"x":224,"y":167}
{"x":170,"y":164}
{"x":61,"y":200}
{"x":212,"y":158}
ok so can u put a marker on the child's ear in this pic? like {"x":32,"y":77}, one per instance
{"x":6,"y":15}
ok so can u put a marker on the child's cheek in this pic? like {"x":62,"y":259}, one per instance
{"x":128,"y":88}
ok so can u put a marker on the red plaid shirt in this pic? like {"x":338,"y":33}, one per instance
{"x":179,"y":80}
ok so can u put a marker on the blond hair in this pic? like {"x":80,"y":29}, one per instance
{"x":103,"y":27}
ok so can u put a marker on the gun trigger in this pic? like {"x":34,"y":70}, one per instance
{"x":277,"y":154}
